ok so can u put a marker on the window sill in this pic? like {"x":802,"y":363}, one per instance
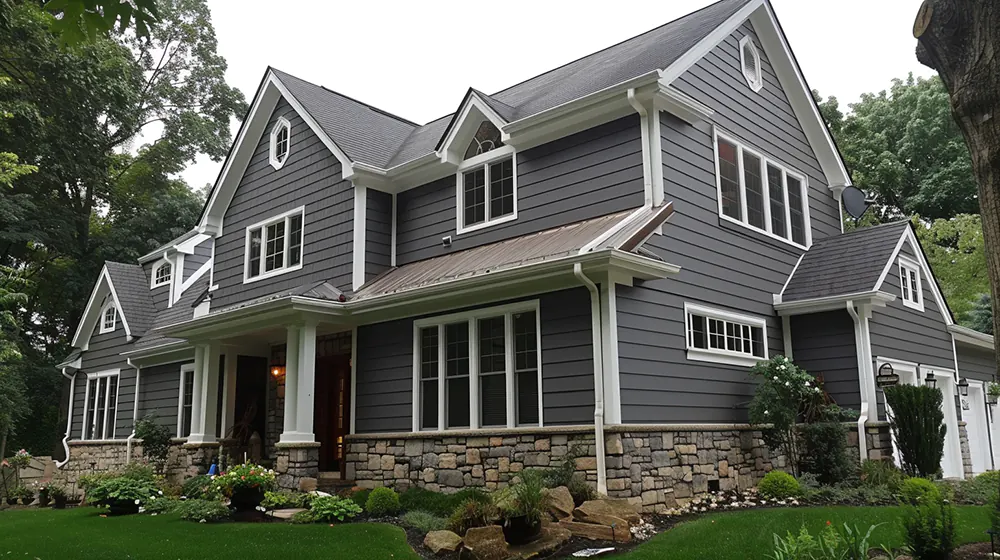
{"x":484,"y":225}
{"x":914,"y":306}
{"x":272,"y":274}
{"x":699,"y":355}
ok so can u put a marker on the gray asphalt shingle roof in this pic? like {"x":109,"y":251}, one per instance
{"x":182,"y":310}
{"x":132,"y":288}
{"x":844,"y":264}
{"x":369,"y":135}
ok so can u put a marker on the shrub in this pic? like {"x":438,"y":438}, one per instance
{"x":825,"y":451}
{"x":784,"y":393}
{"x":581,"y":491}
{"x":930,"y":530}
{"x":303,"y":517}
{"x":122,"y":490}
{"x":88,"y":481}
{"x":286,"y":500}
{"x":526,"y":497}
{"x":334,"y":508}
{"x":779,"y":485}
{"x":416,"y":498}
{"x":361,"y":497}
{"x":917,"y":423}
{"x":139,"y":470}
{"x":382,"y":501}
{"x":155,"y":440}
{"x":995,"y":515}
{"x":881,"y":473}
{"x":917,"y":491}
{"x":57,"y":490}
{"x":200,"y":487}
{"x":854,"y":496}
{"x":423,"y":521}
{"x":246,"y":477}
{"x":845,"y":543}
{"x":801,"y":546}
{"x":980,"y":490}
{"x":472,"y":513}
{"x":21,"y":491}
{"x":207,"y":511}
{"x":161,"y":505}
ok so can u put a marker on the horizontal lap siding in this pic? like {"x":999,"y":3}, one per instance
{"x":311,"y":177}
{"x":159,"y":389}
{"x":384,"y":382}
{"x":585,"y":175}
{"x":907,"y":334}
{"x":976,"y":363}
{"x":378,"y":233}
{"x":160,"y":294}
{"x":202,"y":254}
{"x":723,"y":266}
{"x":824,"y":345}
{"x":104,"y":354}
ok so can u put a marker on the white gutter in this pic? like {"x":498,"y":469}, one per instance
{"x":647,"y":165}
{"x":859,"y":341}
{"x":595,"y":313}
{"x":69,"y":417}
{"x":135,"y":412}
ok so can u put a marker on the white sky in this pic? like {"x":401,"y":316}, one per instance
{"x":417,"y":59}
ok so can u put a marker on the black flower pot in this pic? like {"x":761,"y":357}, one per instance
{"x":27,"y":501}
{"x":246,"y":499}
{"x":11,"y":501}
{"x":43,"y":499}
{"x":123,"y":508}
{"x":521,"y":529}
{"x":59,"y":502}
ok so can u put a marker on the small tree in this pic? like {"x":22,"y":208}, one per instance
{"x":784,"y":394}
{"x":917,"y":423}
{"x":155,"y":441}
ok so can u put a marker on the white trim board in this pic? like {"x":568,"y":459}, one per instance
{"x":908,"y":237}
{"x":88,"y":322}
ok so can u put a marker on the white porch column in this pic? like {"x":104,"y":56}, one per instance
{"x":307,"y":382}
{"x":199,"y":372}
{"x":229,"y":394}
{"x":291,"y":383}
{"x":207,"y":399}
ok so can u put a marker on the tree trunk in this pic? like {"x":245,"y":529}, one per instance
{"x":959,"y":39}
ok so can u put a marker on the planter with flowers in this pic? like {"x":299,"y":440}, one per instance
{"x":58,"y":494}
{"x":23,"y":493}
{"x":245,"y":485}
{"x":43,"y":494}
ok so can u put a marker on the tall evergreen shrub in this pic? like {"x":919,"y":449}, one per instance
{"x":917,"y":422}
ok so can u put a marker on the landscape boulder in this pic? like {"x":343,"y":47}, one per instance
{"x":442,"y":542}
{"x":607,"y":508}
{"x":484,"y":543}
{"x":560,"y":503}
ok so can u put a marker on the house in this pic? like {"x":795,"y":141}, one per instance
{"x":584,"y":264}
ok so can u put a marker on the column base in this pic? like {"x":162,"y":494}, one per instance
{"x":297,"y":437}
{"x":297,"y":466}
{"x":202,"y":439}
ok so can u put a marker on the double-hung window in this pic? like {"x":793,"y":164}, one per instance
{"x":761,"y":193}
{"x":910,"y":285}
{"x":100,"y":405}
{"x":720,"y":336}
{"x":109,"y":318}
{"x":185,"y":403}
{"x":478,"y":369}
{"x":274,"y":246}
{"x":486,"y":182}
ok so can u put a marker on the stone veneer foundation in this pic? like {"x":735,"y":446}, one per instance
{"x":963,"y":441}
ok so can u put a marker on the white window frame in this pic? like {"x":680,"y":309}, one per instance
{"x":187,"y":370}
{"x":757,"y":82}
{"x":276,"y":162}
{"x":88,"y":414}
{"x":786,"y":171}
{"x":262,"y":225}
{"x":719,"y":356}
{"x":906,"y":265}
{"x":156,"y":282}
{"x":471,"y":164}
{"x":472,"y":319}
{"x":105,"y":328}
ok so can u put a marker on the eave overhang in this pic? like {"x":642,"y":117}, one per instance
{"x":971,"y":337}
{"x":829,"y":303}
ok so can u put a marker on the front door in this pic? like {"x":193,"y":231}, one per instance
{"x":332,"y":410}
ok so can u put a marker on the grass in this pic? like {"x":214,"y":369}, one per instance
{"x":748,"y":534}
{"x":83,"y":533}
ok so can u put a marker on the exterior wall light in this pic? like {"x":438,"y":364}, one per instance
{"x":930,"y":381}
{"x":963,"y":387}
{"x":886,"y":376}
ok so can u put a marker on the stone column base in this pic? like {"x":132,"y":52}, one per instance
{"x":297,"y":465}
{"x":963,"y":439}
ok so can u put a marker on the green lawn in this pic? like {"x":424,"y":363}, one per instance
{"x":748,"y":534}
{"x":82,"y":533}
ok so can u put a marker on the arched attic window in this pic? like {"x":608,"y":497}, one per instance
{"x":109,"y":318}
{"x":162,"y":274}
{"x":487,"y":181}
{"x":487,"y":138}
{"x":750,"y":63}
{"x":281,"y":135}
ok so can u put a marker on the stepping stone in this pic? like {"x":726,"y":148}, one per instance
{"x":285,"y":514}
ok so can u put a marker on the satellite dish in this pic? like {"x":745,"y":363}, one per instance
{"x":855,"y":202}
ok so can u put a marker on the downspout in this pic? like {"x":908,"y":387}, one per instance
{"x":595,"y":313}
{"x":647,"y":165}
{"x":135,"y":412}
{"x":69,"y":416}
{"x":862,"y":384}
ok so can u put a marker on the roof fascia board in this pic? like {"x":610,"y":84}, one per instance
{"x":160,"y":355}
{"x":88,"y":320}
{"x":166,"y":247}
{"x":828,"y":303}
{"x":708,"y":42}
{"x":683,"y":106}
{"x":188,"y":245}
{"x":918,"y":250}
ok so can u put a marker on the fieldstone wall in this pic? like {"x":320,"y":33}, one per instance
{"x":297,"y":466}
{"x":963,"y":439}
{"x":878,"y":440}
{"x":183,"y":461}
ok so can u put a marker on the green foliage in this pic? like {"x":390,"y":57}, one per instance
{"x":779,"y":485}
{"x":801,"y":546}
{"x":155,"y":440}
{"x":917,"y":423}
{"x":57,"y":490}
{"x":80,"y":20}
{"x":825,"y":451}
{"x":423,"y":521}
{"x":303,"y":518}
{"x":440,"y":504}
{"x":980,"y":314}
{"x":524,"y":498}
{"x":784,"y":394}
{"x":121,"y":490}
{"x":138,"y":470}
{"x":382,"y":501}
{"x":333,"y":508}
{"x":995,"y":514}
{"x":916,"y":491}
{"x":853,"y":495}
{"x":581,"y":490}
{"x":930,"y":530}
{"x":21,"y":491}
{"x":91,"y":480}
{"x":955,"y":251}
{"x":361,"y":497}
{"x":246,"y":476}
{"x":209,"y":511}
{"x":161,"y":505}
{"x":199,"y":487}
{"x":472,"y":513}
{"x":979,"y":490}
{"x":845,"y":543}
{"x":564,"y":474}
{"x":881,"y":473}
{"x":286,"y":500}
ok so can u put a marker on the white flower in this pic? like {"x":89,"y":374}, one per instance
{"x":152,"y":515}
{"x":788,"y":383}
{"x":775,"y":377}
{"x":807,"y":384}
{"x":160,"y":492}
{"x":781,"y":367}
{"x":142,"y":510}
{"x":766,"y":412}
{"x":137,"y":502}
{"x":203,"y":521}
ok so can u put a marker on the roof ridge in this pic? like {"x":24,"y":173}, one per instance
{"x":349,"y":98}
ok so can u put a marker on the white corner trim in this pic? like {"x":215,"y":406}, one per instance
{"x":392,"y":252}
{"x":612,"y":374}
{"x":354,"y":379}
{"x":908,"y":237}
{"x":360,"y":235}
{"x":197,"y":274}
{"x":786,"y":332}
{"x":756,"y":82}
{"x":280,"y":124}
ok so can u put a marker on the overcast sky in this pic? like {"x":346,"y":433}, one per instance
{"x":418,"y":59}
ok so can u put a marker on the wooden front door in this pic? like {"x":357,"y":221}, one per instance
{"x":332,"y":410}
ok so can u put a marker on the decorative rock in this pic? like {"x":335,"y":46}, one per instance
{"x":307,"y":484}
{"x":485,"y":543}
{"x":608,"y":507}
{"x":550,"y":540}
{"x":560,"y":502}
{"x":285,"y":513}
{"x":596,"y":532}
{"x":440,"y":542}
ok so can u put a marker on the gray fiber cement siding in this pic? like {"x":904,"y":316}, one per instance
{"x":311,"y":177}
{"x":159,"y":390}
{"x":384,"y":383}
{"x":103,"y":355}
{"x":824,"y":345}
{"x":159,"y":294}
{"x":378,"y":233}
{"x":976,"y":363}
{"x":585,"y":175}
{"x":724,"y":266}
{"x":202,"y":254}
